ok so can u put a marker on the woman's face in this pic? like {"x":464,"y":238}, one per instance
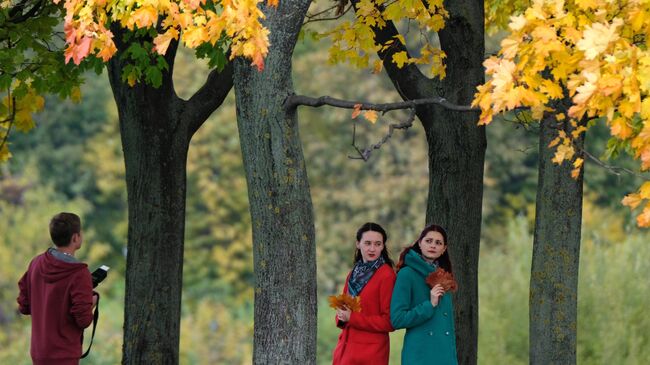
{"x":432,"y":245}
{"x":370,"y":245}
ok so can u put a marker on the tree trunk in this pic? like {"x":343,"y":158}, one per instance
{"x":156,"y":127}
{"x":284,"y":252}
{"x":155,"y":158}
{"x":456,"y":158}
{"x":556,"y":250}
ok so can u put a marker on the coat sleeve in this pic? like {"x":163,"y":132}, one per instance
{"x":403,"y":313}
{"x":24,"y":306}
{"x":81,"y":297}
{"x":377,"y":322}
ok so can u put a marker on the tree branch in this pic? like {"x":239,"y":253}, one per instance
{"x":312,"y":18}
{"x":616,"y":170}
{"x":209,"y":97}
{"x":365,"y":154}
{"x":16,"y":15}
{"x":293,"y":101}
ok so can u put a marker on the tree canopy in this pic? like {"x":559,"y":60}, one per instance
{"x":593,"y":53}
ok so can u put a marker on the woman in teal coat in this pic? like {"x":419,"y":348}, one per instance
{"x":427,"y":314}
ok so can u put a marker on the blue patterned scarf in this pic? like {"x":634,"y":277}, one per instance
{"x":361,"y":274}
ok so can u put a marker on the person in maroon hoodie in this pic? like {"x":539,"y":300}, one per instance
{"x":57,"y":291}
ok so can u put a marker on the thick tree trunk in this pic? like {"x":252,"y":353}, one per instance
{"x":280,"y":202}
{"x":156,"y":128}
{"x":155,"y":157}
{"x":556,"y":250}
{"x":456,"y":158}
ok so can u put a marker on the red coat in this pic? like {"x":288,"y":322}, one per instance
{"x":364,"y":339}
{"x":59,"y":297}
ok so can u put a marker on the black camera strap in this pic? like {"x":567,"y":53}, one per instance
{"x":95,"y":318}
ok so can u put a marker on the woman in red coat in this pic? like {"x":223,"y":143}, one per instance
{"x":364,"y":339}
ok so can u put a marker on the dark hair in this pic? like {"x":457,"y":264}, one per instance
{"x":443,"y":261}
{"x":373,"y":227}
{"x":63,"y":226}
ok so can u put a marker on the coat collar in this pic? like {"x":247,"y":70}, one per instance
{"x":417,"y":263}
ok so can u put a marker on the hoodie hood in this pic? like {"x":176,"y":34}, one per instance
{"x":54,"y":269}
{"x":417,"y":263}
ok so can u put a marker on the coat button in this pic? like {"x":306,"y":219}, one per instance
{"x":447,"y":333}
{"x":445,"y":314}
{"x":430,"y":333}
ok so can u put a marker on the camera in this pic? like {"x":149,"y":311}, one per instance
{"x":99,"y":275}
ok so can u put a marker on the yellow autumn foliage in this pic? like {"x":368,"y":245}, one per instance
{"x":594,"y":52}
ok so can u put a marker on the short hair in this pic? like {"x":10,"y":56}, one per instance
{"x":63,"y":226}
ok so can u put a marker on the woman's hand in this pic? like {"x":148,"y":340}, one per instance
{"x":436,"y":293}
{"x":343,"y":314}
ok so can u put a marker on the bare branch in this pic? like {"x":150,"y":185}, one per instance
{"x":365,"y":154}
{"x":293,"y":101}
{"x":616,"y":170}
{"x":312,"y":18}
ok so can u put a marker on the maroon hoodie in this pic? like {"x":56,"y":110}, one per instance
{"x":59,"y":297}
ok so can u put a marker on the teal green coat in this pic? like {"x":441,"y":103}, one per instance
{"x":430,"y":338}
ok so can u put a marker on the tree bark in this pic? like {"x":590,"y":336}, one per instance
{"x":284,"y":252}
{"x":456,"y":158}
{"x":556,"y":251}
{"x":156,"y":127}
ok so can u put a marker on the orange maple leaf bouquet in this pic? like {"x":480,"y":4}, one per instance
{"x":442,"y":277}
{"x":345,"y":300}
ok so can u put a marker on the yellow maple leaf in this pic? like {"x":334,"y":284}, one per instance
{"x":619,"y":128}
{"x":143,"y":17}
{"x":643,"y":220}
{"x":644,"y":190}
{"x":162,"y":41}
{"x":597,"y":37}
{"x":371,"y":115}
{"x":195,"y":36}
{"x":587,"y":4}
{"x":551,"y":89}
{"x":575,"y":173}
{"x":587,"y":89}
{"x":400,"y":58}
{"x":509,"y":47}
{"x":563,"y":152}
{"x":578,"y":162}
{"x":632,"y":200}
{"x":517,"y":22}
